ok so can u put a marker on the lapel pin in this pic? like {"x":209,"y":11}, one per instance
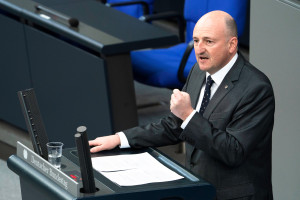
{"x":226,"y":86}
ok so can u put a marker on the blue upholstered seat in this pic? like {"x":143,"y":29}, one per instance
{"x":159,"y":67}
{"x":135,"y":10}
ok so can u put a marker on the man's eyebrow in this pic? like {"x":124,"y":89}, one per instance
{"x":204,"y":38}
{"x":207,"y":37}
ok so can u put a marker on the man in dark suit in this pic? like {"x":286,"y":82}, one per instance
{"x":224,"y":113}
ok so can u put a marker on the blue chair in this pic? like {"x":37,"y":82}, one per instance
{"x":169,"y":67}
{"x":132,"y":7}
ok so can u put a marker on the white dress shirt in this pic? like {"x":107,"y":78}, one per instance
{"x":216,"y":77}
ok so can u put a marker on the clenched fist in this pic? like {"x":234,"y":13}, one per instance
{"x":180,"y":104}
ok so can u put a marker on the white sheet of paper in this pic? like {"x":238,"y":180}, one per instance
{"x":133,"y":169}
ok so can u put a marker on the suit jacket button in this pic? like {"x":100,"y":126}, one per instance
{"x":191,"y":165}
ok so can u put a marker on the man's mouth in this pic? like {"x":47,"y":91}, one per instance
{"x":203,"y":57}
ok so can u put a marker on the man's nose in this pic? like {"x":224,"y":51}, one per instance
{"x":199,"y":47}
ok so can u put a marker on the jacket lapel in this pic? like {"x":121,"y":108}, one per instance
{"x":225,"y":87}
{"x":195,"y":91}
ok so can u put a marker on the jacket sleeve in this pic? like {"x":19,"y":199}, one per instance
{"x":165,"y":132}
{"x":231,"y":136}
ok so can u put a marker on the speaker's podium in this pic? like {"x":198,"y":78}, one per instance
{"x":40,"y":180}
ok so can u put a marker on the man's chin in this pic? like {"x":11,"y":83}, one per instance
{"x":203,"y":66}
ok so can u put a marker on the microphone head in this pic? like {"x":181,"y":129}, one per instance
{"x":73,"y":22}
{"x":81,"y":129}
{"x":77,"y":135}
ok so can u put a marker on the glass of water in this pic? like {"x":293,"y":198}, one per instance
{"x":54,"y":153}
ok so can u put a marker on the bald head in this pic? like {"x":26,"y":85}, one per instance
{"x":221,"y":19}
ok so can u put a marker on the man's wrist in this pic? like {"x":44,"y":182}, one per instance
{"x":187,"y":114}
{"x":123,"y":140}
{"x":187,"y":120}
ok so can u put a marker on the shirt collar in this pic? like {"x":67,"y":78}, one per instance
{"x":220,"y":75}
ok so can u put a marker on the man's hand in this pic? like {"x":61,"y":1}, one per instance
{"x":180,"y":104}
{"x":104,"y":143}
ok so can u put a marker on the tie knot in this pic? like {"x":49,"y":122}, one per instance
{"x":209,"y":81}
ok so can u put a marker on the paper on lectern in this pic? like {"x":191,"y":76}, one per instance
{"x":133,"y":169}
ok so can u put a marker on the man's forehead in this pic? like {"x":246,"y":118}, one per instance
{"x":204,"y":31}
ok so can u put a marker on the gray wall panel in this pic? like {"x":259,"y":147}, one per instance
{"x":275,"y":49}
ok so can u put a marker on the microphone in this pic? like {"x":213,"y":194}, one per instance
{"x":73,"y":22}
{"x":85,"y":161}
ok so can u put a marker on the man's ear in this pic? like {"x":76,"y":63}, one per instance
{"x":233,"y":42}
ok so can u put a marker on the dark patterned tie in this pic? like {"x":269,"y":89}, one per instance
{"x":206,"y":95}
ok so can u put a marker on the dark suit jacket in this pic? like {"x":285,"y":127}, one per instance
{"x":230,"y":145}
